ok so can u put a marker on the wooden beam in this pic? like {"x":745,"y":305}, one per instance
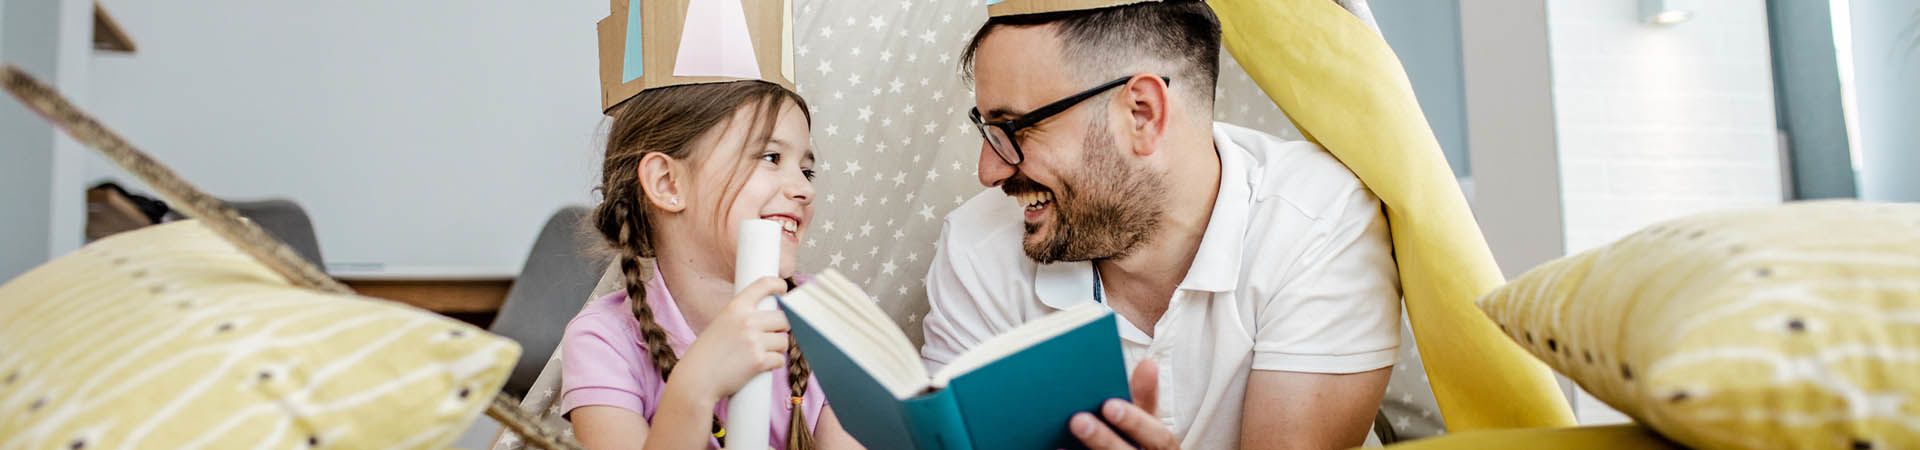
{"x":440,"y":296}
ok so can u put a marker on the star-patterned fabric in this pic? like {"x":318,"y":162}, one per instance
{"x":896,"y":153}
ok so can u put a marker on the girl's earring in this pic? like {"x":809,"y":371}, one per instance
{"x":675,"y":201}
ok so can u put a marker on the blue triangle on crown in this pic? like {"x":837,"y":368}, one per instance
{"x":633,"y":63}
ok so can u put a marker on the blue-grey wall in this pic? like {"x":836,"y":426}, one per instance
{"x":29,"y":31}
{"x":1426,"y":35}
{"x":421,"y":136}
{"x":1886,"y":60}
{"x":1807,"y":105}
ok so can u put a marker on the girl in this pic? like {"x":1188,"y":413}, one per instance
{"x":647,"y":367}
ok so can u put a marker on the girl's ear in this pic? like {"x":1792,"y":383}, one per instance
{"x":660,"y":182}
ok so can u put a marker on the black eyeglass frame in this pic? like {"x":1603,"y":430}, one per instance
{"x":1010,"y":128}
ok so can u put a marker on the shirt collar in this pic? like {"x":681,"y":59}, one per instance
{"x":1063,"y":284}
{"x":1216,"y":265}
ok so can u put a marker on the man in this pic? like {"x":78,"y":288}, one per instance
{"x":1253,"y":276}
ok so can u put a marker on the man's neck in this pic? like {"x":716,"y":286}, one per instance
{"x":1140,"y":285}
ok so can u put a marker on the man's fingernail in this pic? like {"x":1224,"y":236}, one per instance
{"x":1114,"y":410}
{"x":1082,"y":425}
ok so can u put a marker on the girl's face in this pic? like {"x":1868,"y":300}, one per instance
{"x":777,"y":186}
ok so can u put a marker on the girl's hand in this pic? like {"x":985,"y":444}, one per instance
{"x":742,"y":342}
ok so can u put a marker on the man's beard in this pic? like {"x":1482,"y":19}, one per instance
{"x":1106,"y":209}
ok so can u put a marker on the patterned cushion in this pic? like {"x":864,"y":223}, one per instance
{"x":168,"y":337}
{"x":1788,"y":327}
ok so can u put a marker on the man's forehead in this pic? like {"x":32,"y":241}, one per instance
{"x":1018,"y":68}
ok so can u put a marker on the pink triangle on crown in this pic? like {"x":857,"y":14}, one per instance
{"x":715,"y":42}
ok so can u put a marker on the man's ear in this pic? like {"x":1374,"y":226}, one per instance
{"x":660,"y":181}
{"x":1148,"y":102}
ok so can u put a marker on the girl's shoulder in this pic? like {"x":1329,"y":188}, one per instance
{"x":605,"y":328}
{"x":607,"y":313}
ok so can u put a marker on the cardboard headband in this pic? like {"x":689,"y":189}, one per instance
{"x":997,"y":8}
{"x":646,"y":44}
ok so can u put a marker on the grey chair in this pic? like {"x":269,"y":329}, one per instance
{"x":558,"y":276}
{"x":286,"y":220}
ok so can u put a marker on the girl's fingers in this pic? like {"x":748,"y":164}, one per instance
{"x":772,"y":360}
{"x":767,"y":321}
{"x":772,"y":342}
{"x":762,"y":288}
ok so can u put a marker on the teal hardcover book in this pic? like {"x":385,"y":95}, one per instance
{"x":1013,"y":391}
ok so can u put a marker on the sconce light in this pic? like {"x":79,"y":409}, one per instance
{"x":1666,"y":12}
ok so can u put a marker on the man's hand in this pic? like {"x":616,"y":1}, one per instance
{"x":1134,"y":421}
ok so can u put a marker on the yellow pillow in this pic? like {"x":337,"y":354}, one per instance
{"x":1788,"y":327}
{"x":168,"y":337}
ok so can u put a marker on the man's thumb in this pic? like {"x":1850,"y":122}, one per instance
{"x":1146,"y":385}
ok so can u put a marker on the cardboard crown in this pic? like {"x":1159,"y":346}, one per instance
{"x":646,"y":44}
{"x":997,"y":8}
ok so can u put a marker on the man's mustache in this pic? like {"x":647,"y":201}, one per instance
{"x":1020,"y":184}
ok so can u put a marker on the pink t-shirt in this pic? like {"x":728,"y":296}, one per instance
{"x":604,"y":362}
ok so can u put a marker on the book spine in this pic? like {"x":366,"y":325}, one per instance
{"x":935,"y":422}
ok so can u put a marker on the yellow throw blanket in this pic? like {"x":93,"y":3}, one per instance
{"x":1344,"y":88}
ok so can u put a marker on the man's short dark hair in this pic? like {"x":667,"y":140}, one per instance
{"x":1109,"y":42}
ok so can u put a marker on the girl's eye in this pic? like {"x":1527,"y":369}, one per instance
{"x":772,"y":157}
{"x":808,"y":172}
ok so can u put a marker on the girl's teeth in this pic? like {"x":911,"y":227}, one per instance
{"x":787,"y":225}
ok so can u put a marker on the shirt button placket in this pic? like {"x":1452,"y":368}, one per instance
{"x":1164,"y":338}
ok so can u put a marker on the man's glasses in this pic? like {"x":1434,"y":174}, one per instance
{"x":1000,"y":135}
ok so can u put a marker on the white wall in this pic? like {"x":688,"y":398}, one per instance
{"x":1659,"y":122}
{"x":418,"y":134}
{"x":41,"y":210}
{"x":1510,"y":131}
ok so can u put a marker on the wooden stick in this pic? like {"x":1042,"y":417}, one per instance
{"x":507,"y":411}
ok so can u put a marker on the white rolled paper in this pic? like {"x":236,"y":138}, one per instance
{"x":756,"y":256}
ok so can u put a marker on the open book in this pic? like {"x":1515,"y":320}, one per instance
{"x":1012,"y":391}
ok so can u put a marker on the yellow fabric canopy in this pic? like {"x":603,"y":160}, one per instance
{"x":1344,"y":88}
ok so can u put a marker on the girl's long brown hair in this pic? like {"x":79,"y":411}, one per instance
{"x":668,"y":120}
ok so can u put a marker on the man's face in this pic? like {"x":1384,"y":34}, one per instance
{"x":1086,"y":194}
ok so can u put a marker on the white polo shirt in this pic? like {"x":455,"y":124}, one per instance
{"x":1295,"y":273}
